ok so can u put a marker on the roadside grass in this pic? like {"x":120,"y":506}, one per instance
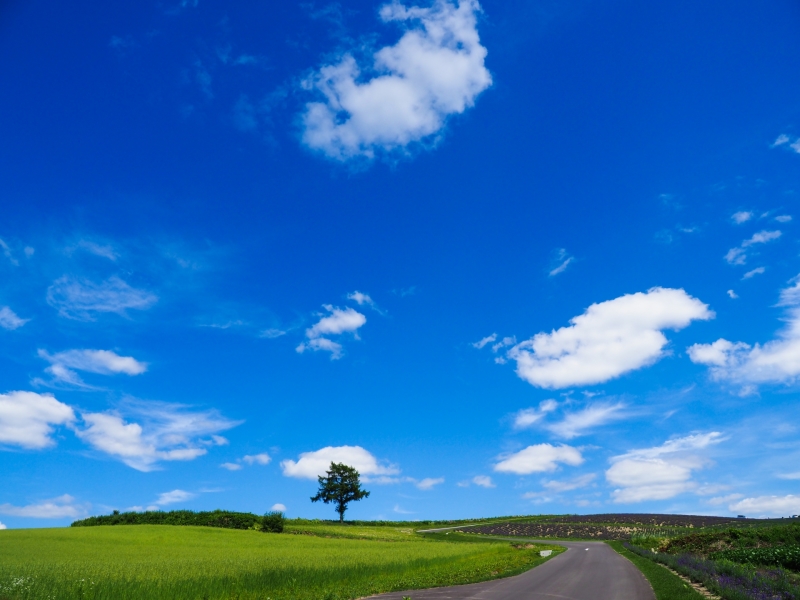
{"x":666,"y":585}
{"x":160,"y":562}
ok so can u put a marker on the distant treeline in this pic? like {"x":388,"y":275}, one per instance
{"x":214,"y":518}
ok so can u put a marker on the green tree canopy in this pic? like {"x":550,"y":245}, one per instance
{"x":340,"y":485}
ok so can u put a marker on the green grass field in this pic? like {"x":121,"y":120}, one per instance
{"x":165,"y":562}
{"x":666,"y":585}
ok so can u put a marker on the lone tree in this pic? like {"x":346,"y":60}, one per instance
{"x":340,"y":486}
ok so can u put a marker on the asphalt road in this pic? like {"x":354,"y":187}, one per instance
{"x":586,"y":571}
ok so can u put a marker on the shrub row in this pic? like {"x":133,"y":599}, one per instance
{"x":787,"y":557}
{"x":709,"y":542}
{"x":271,"y":522}
{"x":727,"y":579}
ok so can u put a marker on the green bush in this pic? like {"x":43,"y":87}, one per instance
{"x":215,"y":518}
{"x":272,"y":522}
{"x":777,"y":556}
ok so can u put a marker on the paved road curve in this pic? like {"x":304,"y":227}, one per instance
{"x":598,"y":573}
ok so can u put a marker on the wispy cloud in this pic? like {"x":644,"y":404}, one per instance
{"x":249,"y":459}
{"x":435,"y":70}
{"x":483,"y":481}
{"x":753,"y":273}
{"x":528,"y":417}
{"x":56,"y":508}
{"x":6,"y":249}
{"x":429,"y":483}
{"x":560,"y":262}
{"x":9,"y":319}
{"x":82,"y":300}
{"x":578,"y":423}
{"x":660,"y":472}
{"x":164,"y":432}
{"x":742,"y":216}
{"x":738,"y":255}
{"x":104,"y":362}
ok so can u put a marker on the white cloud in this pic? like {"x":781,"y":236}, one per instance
{"x":429,"y":482}
{"x":768,"y":505}
{"x":279,"y":507}
{"x":783,"y":218}
{"x":611,"y":338}
{"x":174,"y":497}
{"x":561,"y":262}
{"x":104,"y":251}
{"x":2,"y":526}
{"x":166,"y":433}
{"x":576,"y":424}
{"x":487,"y":340}
{"x":718,"y":500}
{"x":272,"y":333}
{"x":7,"y":253}
{"x":529,"y":416}
{"x":753,"y":273}
{"x":104,"y":362}
{"x":781,"y":140}
{"x":56,"y":508}
{"x":795,"y":475}
{"x":257,"y":459}
{"x":231,"y":466}
{"x":312,"y":464}
{"x":82,"y":300}
{"x":483,"y":481}
{"x":339,"y":321}
{"x":738,"y":255}
{"x":569,"y":485}
{"x":362,"y":299}
{"x":10,"y":320}
{"x":27,"y":419}
{"x":539,"y":458}
{"x":660,"y":472}
{"x":435,"y":70}
{"x":741,"y":217}
{"x":732,"y":295}
{"x":776,"y":361}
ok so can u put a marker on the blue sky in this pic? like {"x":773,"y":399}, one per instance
{"x":511,"y":258}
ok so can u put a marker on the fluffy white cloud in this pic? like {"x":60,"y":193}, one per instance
{"x":429,"y":482}
{"x":82,"y":300}
{"x":660,"y":472}
{"x":577,"y":423}
{"x":363,"y":299}
{"x":741,"y":217}
{"x":312,"y":464}
{"x":539,"y":458}
{"x":9,"y":319}
{"x":279,"y":507}
{"x":732,"y":295}
{"x":436,"y":69}
{"x":483,"y":481}
{"x":166,"y":433}
{"x":783,"y":218}
{"x":27,"y":418}
{"x":57,"y":508}
{"x":231,"y":466}
{"x":2,"y":526}
{"x":776,"y":361}
{"x":768,"y":505}
{"x":609,"y":339}
{"x":738,"y":255}
{"x":339,"y":321}
{"x":104,"y":362}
